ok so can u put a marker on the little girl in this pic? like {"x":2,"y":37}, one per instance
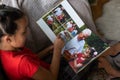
{"x":19,"y":63}
{"x":81,"y":57}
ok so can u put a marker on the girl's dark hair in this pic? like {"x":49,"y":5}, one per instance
{"x":8,"y":16}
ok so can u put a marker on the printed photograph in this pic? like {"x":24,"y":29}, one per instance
{"x":72,"y":28}
{"x":60,"y":22}
{"x":60,"y":14}
{"x":82,"y":48}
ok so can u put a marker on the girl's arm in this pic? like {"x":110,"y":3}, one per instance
{"x":46,"y":51}
{"x":42,"y":73}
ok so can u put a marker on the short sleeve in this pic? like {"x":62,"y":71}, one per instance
{"x":28,"y":66}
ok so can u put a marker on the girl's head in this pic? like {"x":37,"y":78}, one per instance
{"x":13,"y":27}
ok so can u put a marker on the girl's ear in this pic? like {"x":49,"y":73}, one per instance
{"x":7,"y":38}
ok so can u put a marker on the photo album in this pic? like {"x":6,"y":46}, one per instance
{"x":82,"y":46}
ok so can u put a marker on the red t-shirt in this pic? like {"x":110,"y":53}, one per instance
{"x":79,"y":58}
{"x":21,"y":65}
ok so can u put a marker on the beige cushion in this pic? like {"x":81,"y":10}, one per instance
{"x":109,"y":22}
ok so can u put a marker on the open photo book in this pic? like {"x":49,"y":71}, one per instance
{"x":82,"y":46}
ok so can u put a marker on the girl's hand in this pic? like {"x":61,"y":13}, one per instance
{"x":59,"y":43}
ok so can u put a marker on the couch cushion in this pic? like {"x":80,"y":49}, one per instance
{"x":109,"y":22}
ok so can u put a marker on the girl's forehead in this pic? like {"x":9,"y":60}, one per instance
{"x":22,"y":22}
